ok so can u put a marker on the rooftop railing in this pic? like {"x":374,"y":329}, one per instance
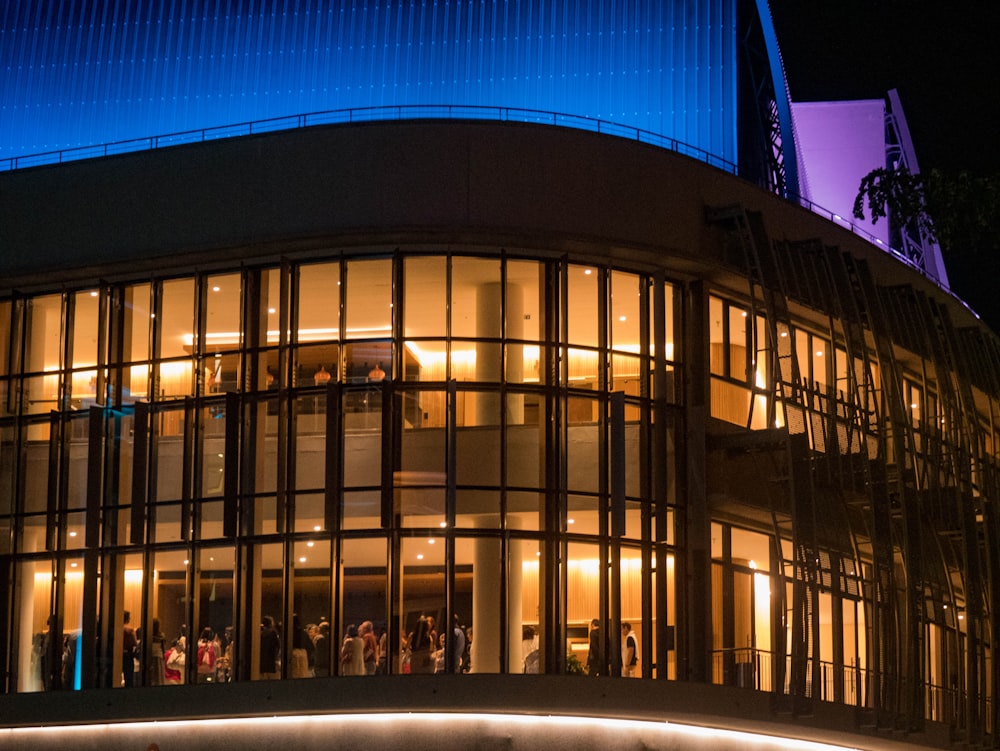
{"x":425,"y":112}
{"x":368,"y":114}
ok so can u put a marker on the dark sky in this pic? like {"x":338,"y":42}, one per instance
{"x":942,"y":58}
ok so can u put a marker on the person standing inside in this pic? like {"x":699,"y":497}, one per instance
{"x":130,"y":643}
{"x":321,"y":647}
{"x":630,"y":651}
{"x":156,"y":667}
{"x":367,"y":633}
{"x":270,"y":649}
{"x":352,"y":653}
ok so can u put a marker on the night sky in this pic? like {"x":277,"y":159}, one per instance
{"x":943,"y":58}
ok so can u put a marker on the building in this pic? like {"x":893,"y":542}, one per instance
{"x":540,"y":373}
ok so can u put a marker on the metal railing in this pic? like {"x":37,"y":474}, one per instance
{"x":750,"y":668}
{"x":431,"y":112}
{"x":370,"y":114}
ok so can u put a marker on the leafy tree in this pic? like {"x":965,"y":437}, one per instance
{"x":959,"y":211}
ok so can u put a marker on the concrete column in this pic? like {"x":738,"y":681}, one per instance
{"x":487,"y":599}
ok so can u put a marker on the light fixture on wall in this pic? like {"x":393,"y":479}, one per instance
{"x":322,"y":376}
{"x":376,"y":373}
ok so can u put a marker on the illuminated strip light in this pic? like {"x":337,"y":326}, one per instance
{"x":585,"y":726}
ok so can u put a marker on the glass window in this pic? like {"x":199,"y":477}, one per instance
{"x":422,"y":601}
{"x":364,"y":587}
{"x":525,"y":442}
{"x":523,"y":297}
{"x":311,"y":605}
{"x":270,"y":303}
{"x":582,"y":308}
{"x":214,"y":612}
{"x":222,"y":313}
{"x":6,"y":324}
{"x":369,"y":299}
{"x":310,"y":512}
{"x":368,"y":362}
{"x":476,"y":299}
{"x":477,"y":440}
{"x":626,"y":291}
{"x":477,"y":361}
{"x":168,"y":454}
{"x":136,"y":320}
{"x":36,"y":467}
{"x":43,"y":334}
{"x":717,"y":337}
{"x":86,"y":328}
{"x":820,"y":363}
{"x":425,"y":361}
{"x":8,"y":465}
{"x":169,"y":593}
{"x":739,"y":351}
{"x":176,"y":319}
{"x":213,"y":447}
{"x":319,"y":302}
{"x":425,"y":301}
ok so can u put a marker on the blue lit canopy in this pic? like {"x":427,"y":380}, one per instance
{"x":86,"y":72}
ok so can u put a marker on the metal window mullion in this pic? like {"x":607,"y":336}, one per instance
{"x":450,"y":512}
{"x":231,"y":478}
{"x":659,"y":501}
{"x":15,"y":356}
{"x":140,"y":472}
{"x":95,"y":479}
{"x":52,"y":505}
{"x":189,"y":472}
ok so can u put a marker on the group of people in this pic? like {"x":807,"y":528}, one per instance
{"x":425,"y":650}
{"x":626,"y":663}
{"x":168,"y":664}
{"x":361,"y":650}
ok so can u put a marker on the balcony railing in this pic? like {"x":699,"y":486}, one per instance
{"x":755,"y":669}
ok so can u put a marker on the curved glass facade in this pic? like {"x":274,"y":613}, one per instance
{"x":509,"y":444}
{"x":344,"y":440}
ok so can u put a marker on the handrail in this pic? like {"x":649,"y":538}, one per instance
{"x":425,"y":112}
{"x":367,"y":114}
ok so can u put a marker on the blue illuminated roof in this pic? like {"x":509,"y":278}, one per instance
{"x":81,"y":73}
